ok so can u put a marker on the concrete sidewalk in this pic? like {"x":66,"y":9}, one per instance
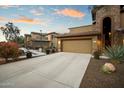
{"x":55,"y":70}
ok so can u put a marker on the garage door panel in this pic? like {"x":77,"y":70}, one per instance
{"x":77,"y":46}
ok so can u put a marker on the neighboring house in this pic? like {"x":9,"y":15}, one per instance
{"x":52,"y":38}
{"x":106,"y":30}
{"x":41,"y":40}
{"x":36,"y":40}
{"x":27,"y":40}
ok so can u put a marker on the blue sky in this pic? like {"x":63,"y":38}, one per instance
{"x":46,"y":18}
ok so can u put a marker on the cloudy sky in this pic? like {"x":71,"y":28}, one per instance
{"x":46,"y":18}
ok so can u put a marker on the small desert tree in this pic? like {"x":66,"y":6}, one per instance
{"x":9,"y":50}
{"x":20,"y":39}
{"x":10,"y":31}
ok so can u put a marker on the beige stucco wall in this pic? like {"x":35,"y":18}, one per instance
{"x":122,"y":20}
{"x":58,"y":44}
{"x":81,"y":29}
{"x":55,"y":42}
{"x":49,"y":37}
{"x":28,"y":38}
{"x":53,"y":39}
{"x":35,"y":36}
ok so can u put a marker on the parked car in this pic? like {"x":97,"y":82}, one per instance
{"x":23,"y":51}
{"x":26,"y":52}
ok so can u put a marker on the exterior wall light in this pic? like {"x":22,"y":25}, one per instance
{"x":59,"y":42}
{"x":110,"y":33}
{"x":94,"y":41}
{"x":98,"y":42}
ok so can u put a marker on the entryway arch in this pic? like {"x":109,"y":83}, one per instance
{"x":107,"y":31}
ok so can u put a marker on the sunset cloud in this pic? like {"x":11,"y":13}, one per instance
{"x":71,"y":13}
{"x":2,"y":18}
{"x":21,"y":19}
{"x":24,"y":19}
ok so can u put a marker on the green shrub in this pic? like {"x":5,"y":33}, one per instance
{"x":9,"y":50}
{"x":115,"y":53}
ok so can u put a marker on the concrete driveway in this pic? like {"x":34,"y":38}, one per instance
{"x":55,"y":70}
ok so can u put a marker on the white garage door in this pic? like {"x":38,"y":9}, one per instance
{"x":77,"y":46}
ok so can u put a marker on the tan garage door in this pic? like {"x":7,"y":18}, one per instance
{"x":77,"y":46}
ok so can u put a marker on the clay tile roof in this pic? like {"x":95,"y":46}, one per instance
{"x":90,"y":33}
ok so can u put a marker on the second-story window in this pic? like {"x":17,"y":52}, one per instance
{"x":52,"y":37}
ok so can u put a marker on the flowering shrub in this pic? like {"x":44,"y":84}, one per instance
{"x":9,"y":50}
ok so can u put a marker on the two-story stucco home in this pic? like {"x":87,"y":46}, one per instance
{"x":37,"y":40}
{"x":106,"y":30}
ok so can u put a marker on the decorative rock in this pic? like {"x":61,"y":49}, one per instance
{"x":108,"y":68}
